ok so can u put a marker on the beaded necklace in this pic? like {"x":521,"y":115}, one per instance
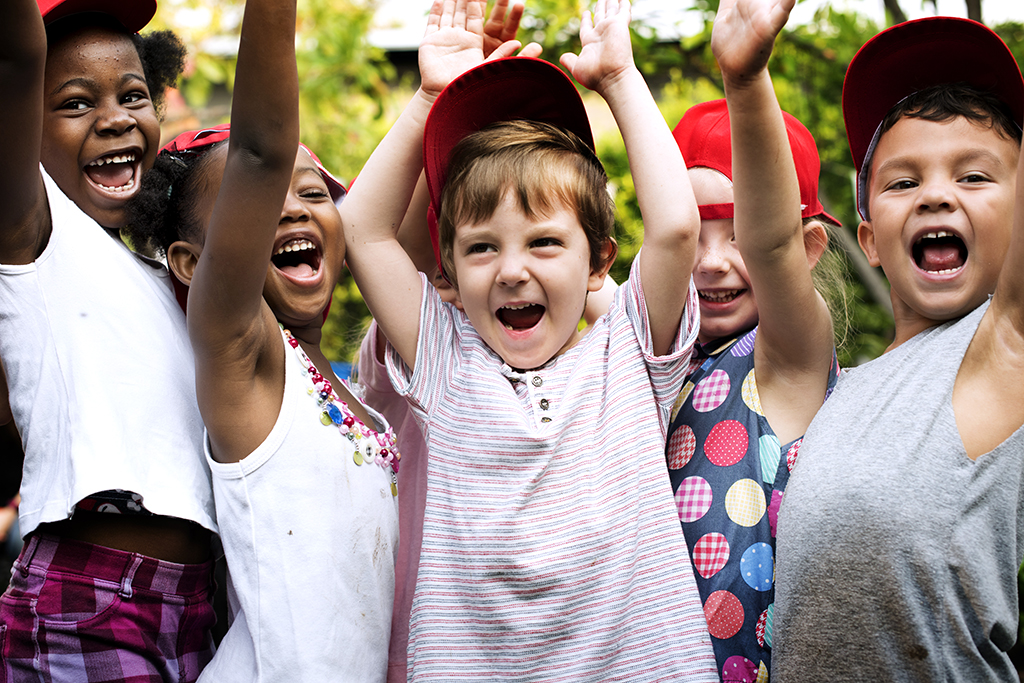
{"x":370,"y":446}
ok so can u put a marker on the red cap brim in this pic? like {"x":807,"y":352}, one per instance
{"x":198,"y":140}
{"x":133,"y":14}
{"x":510,"y":89}
{"x":919,"y":54}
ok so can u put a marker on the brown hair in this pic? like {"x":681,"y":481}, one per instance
{"x":542,"y":166}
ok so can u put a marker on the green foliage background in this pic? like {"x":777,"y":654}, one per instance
{"x":351,"y":93}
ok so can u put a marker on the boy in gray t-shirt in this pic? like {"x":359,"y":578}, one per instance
{"x":903,"y":525}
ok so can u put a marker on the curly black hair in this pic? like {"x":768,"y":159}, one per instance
{"x":165,"y":209}
{"x":161,"y":52}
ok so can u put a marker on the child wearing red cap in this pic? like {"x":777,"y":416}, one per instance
{"x":115,"y":578}
{"x":903,"y":526}
{"x":766,"y":358}
{"x":551,"y":549}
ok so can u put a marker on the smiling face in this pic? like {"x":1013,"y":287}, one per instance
{"x":941,"y":198}
{"x":100,"y":128}
{"x":309,"y":249}
{"x":523,"y":281}
{"x":727,"y":304}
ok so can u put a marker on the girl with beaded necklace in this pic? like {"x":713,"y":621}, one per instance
{"x":304,"y":474}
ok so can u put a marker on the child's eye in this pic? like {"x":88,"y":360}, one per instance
{"x":901,"y":185}
{"x":314,"y":193}
{"x":546,"y":242}
{"x":75,"y":105}
{"x":974,"y":178}
{"x":133,"y":97}
{"x":479,"y":248}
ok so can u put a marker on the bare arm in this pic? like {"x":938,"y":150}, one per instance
{"x":24,"y":215}
{"x":229,"y":324}
{"x":794,"y":345}
{"x":671,"y":222}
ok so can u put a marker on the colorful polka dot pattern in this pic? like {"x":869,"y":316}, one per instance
{"x":729,"y":472}
{"x":710,"y":554}
{"x":739,"y":670}
{"x":727,"y":443}
{"x":681,"y":448}
{"x":711,"y":391}
{"x":693,"y":499}
{"x":724,"y":614}
{"x":744,"y":502}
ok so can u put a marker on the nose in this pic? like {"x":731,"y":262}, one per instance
{"x":115,"y":119}
{"x":937,"y":195}
{"x":294,"y":209}
{"x":711,"y":259}
{"x":512,"y":269}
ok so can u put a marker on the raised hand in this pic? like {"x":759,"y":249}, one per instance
{"x":744,"y":35}
{"x":452,"y":44}
{"x":606,"y":51}
{"x":502,"y":25}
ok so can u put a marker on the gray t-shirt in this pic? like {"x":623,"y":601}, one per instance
{"x":897,"y":553}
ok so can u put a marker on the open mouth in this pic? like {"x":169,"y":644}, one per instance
{"x":520,"y":317}
{"x":720,"y":296}
{"x":114,"y":173}
{"x":940,"y":253}
{"x":297,"y":258}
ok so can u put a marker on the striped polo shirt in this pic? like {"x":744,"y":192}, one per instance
{"x":551,"y":545}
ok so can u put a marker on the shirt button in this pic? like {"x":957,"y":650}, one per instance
{"x":537,"y":381}
{"x":545,"y":419}
{"x":544,"y":404}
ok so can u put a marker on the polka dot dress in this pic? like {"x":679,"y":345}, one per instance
{"x":728,"y":472}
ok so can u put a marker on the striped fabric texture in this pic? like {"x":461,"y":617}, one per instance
{"x":551,"y":544}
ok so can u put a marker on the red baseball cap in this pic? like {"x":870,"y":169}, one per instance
{"x":704,"y":139}
{"x":198,"y":140}
{"x":510,"y":89}
{"x":133,"y":14}
{"x":915,"y":55}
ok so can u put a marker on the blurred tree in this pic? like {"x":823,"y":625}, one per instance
{"x":350,"y":97}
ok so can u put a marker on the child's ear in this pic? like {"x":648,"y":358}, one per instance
{"x":815,"y":241}
{"x":182,"y":258}
{"x":609,"y":250}
{"x":866,"y":239}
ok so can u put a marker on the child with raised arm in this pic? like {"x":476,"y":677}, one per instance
{"x":903,"y":525}
{"x":766,"y":358}
{"x":550,"y":548}
{"x":115,"y":577}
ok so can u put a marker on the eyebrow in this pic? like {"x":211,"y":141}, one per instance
{"x":965,"y":157}
{"x":84,"y":82}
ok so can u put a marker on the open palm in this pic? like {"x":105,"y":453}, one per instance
{"x":744,"y":34}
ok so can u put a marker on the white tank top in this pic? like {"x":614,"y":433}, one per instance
{"x":101,"y":376}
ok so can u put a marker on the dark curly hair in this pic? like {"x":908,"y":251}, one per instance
{"x":161,"y":52}
{"x":165,"y":209}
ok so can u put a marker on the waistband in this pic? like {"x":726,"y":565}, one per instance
{"x":133,"y":571}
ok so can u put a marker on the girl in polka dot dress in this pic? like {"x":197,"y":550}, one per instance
{"x":766,"y":358}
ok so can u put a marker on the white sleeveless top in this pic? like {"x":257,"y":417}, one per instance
{"x":310,"y":539}
{"x":101,"y":376}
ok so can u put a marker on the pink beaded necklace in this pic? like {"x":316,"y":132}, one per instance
{"x":370,"y":446}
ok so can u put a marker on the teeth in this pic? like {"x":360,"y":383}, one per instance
{"x":937,"y":235}
{"x":123,"y":188}
{"x":298,"y":245}
{"x":122,"y":159}
{"x":517,"y":308}
{"x":726,"y":295}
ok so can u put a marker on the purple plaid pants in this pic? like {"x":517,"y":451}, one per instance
{"x":82,"y":613}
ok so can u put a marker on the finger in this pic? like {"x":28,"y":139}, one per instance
{"x":531,"y":50}
{"x":568,"y":60}
{"x":506,"y":49}
{"x":599,"y":11}
{"x":459,"y":16}
{"x":434,"y":19}
{"x":511,"y":25}
{"x":496,"y":21}
{"x":475,"y":16}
